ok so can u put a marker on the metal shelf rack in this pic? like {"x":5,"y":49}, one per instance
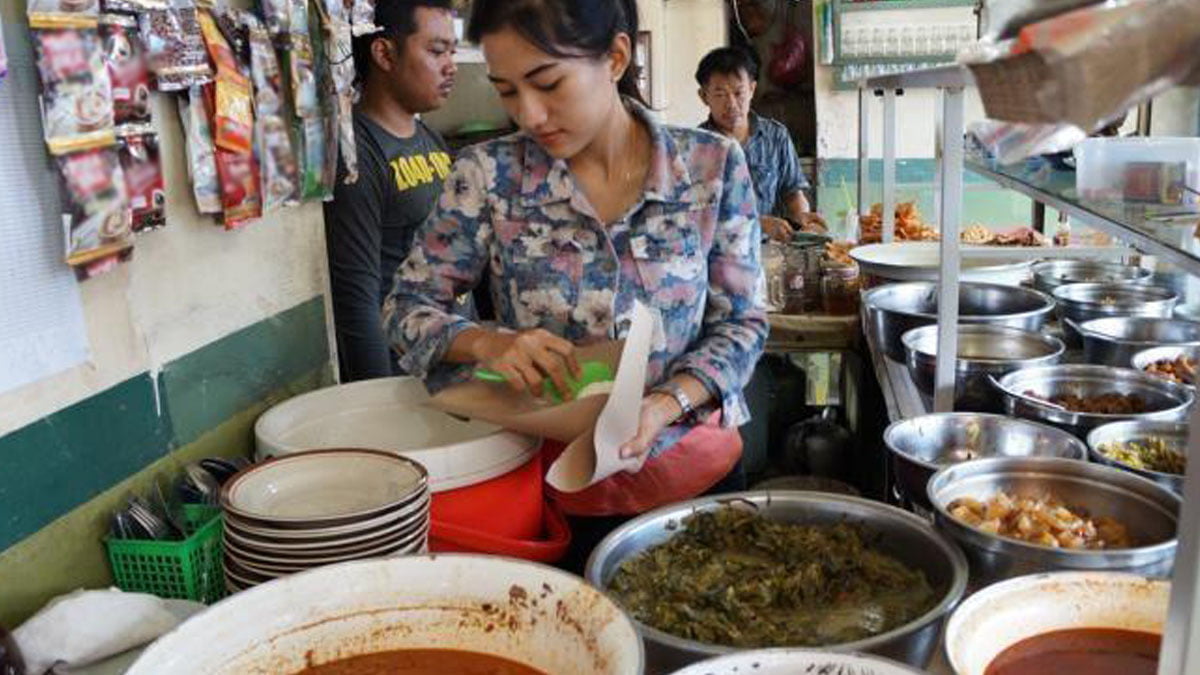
{"x":1180,"y":653}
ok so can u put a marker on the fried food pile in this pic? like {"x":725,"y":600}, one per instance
{"x":1043,"y":520}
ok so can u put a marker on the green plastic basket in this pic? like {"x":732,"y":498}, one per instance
{"x":190,"y":569}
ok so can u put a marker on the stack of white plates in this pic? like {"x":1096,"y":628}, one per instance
{"x":322,"y":507}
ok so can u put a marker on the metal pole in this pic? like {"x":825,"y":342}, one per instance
{"x":1180,"y":651}
{"x":864,"y":150}
{"x":889,"y":164}
{"x":950,"y":205}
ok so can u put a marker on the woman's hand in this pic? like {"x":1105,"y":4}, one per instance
{"x":527,"y":358}
{"x":659,"y":411}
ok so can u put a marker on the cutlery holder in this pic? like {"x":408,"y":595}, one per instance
{"x":189,"y":569}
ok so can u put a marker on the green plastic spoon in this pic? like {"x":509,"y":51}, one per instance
{"x":592,"y":372}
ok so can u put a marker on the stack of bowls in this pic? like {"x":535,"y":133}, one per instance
{"x":321,"y":507}
{"x":1051,"y":274}
{"x":895,"y":309}
{"x":1077,"y":303}
{"x":1116,"y":340}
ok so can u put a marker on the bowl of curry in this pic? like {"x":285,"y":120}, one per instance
{"x":1098,"y":623}
{"x":415,"y":615}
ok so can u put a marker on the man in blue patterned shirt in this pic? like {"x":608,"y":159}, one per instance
{"x":728,"y":77}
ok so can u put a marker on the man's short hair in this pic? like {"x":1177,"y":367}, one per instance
{"x":397,"y":19}
{"x":726,"y":61}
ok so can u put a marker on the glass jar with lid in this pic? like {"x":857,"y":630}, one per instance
{"x":774,"y":266}
{"x":840,"y":287}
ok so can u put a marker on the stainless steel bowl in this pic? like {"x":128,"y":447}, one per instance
{"x":921,"y":446}
{"x":1148,"y":357}
{"x":1078,"y":303}
{"x":983,"y":351}
{"x":1174,"y":433}
{"x":897,"y":533}
{"x":1114,"y":341}
{"x":1024,"y":391}
{"x":1051,"y":274}
{"x":895,"y":309}
{"x":1148,"y":510}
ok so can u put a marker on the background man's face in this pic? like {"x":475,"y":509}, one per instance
{"x":728,"y":98}
{"x":424,"y":77}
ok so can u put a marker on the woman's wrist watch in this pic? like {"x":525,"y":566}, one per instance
{"x":672,"y":389}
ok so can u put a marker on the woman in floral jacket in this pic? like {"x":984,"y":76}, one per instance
{"x":591,"y":206}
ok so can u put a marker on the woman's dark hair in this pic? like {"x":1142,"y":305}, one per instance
{"x":726,"y":61}
{"x":397,"y":19}
{"x":565,"y":28}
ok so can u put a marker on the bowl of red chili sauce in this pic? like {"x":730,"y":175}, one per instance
{"x":1098,"y":623}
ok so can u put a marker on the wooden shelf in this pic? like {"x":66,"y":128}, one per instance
{"x":813,"y":333}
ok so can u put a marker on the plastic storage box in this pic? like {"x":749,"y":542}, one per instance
{"x":1145,"y":170}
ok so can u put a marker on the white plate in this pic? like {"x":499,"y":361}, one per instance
{"x":255,"y":542}
{"x":324,"y":487}
{"x":387,"y":519}
{"x":392,"y":414}
{"x":408,"y":545}
{"x":270,"y":556}
{"x":918,"y":261}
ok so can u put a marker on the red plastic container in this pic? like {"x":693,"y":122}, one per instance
{"x":507,"y":515}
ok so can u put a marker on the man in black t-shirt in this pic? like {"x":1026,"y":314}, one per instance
{"x":404,"y":70}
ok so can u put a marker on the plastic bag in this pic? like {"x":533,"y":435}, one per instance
{"x":143,"y":181}
{"x":1011,"y":142}
{"x":125,"y":57}
{"x":201,"y":153}
{"x":77,"y":106}
{"x":233,"y":114}
{"x":84,"y":627}
{"x":174,"y":46}
{"x":95,"y":209}
{"x":1000,"y":19}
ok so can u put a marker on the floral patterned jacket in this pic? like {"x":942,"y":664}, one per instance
{"x":689,"y":247}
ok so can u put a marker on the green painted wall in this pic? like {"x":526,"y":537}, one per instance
{"x":983,"y":201}
{"x":63,"y":476}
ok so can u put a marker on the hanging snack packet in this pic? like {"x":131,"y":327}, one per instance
{"x":340,"y":61}
{"x":277,"y":16}
{"x":95,"y":210}
{"x":233,"y":114}
{"x":174,"y":46}
{"x":63,"y":13}
{"x":240,"y":199}
{"x":362,"y":17}
{"x":273,"y":144}
{"x":130,"y":76}
{"x":143,"y":181}
{"x":313,"y":129}
{"x":202,"y":162}
{"x":77,"y":109}
{"x":301,"y":64}
{"x":3,"y":54}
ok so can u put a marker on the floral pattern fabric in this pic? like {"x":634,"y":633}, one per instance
{"x":689,"y":247}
